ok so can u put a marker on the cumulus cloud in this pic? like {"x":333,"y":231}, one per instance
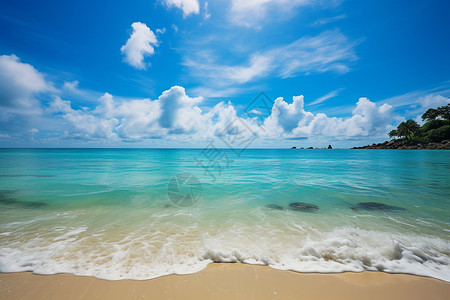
{"x":172,"y":113}
{"x":179,"y":112}
{"x":329,"y":51}
{"x":140,"y":44}
{"x":291,"y":120}
{"x":188,"y":7}
{"x":83,"y":123}
{"x":19,"y":83}
{"x":176,"y":116}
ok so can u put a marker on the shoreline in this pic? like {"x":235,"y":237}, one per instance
{"x":408,"y":145}
{"x":227,"y":281}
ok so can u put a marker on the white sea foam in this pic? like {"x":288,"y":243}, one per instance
{"x":146,"y":253}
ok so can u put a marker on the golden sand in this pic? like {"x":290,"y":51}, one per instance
{"x":227,"y":281}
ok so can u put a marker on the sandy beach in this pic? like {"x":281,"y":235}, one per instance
{"x":227,"y":281}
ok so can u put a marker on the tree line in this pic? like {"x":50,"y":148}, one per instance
{"x":435,"y":129}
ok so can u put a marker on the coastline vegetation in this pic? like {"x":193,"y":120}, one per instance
{"x":436,"y":127}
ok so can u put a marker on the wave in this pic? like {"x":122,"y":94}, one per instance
{"x":188,"y":249}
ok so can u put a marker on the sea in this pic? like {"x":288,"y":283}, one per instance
{"x":144,"y":213}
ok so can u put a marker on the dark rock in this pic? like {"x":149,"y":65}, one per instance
{"x":275,"y":206}
{"x":310,"y":148}
{"x":20,"y":203}
{"x":377,"y":206}
{"x":294,"y":147}
{"x":329,"y":147}
{"x":303,"y":206}
{"x":354,"y":208}
{"x":408,"y":144}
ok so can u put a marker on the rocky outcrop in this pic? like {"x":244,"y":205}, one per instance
{"x":375,"y":206}
{"x":303,"y":206}
{"x":407,"y":144}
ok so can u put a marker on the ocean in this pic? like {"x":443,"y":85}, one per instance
{"x":144,"y":213}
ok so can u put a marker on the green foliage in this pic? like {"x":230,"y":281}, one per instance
{"x":439,"y":134}
{"x":442,"y":112}
{"x":434,"y":124}
{"x":436,"y":129}
{"x":406,"y":129}
{"x":393,"y":133}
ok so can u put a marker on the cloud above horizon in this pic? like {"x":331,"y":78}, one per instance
{"x":173,"y":116}
{"x":19,"y":82}
{"x":140,"y":44}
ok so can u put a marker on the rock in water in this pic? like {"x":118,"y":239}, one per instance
{"x":274,"y":206}
{"x":303,"y":206}
{"x":377,"y":206}
{"x":329,"y":147}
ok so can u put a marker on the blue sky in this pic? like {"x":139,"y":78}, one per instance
{"x":177,"y":73}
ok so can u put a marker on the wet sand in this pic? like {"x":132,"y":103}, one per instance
{"x":227,"y":281}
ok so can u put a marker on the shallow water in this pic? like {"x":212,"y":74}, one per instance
{"x":106,"y":212}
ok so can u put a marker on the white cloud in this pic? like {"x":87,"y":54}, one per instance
{"x":188,"y":7}
{"x":254,"y":13}
{"x":179,"y":112}
{"x":84,"y":124}
{"x":19,"y":83}
{"x":291,"y":120}
{"x":172,"y":113}
{"x":207,"y":14}
{"x":325,"y":97}
{"x":324,"y":21}
{"x":329,"y":51}
{"x":71,"y":85}
{"x":417,"y":97}
{"x":415,"y":103}
{"x":140,"y":44}
{"x":161,"y":31}
{"x":433,"y":101}
{"x":176,"y":116}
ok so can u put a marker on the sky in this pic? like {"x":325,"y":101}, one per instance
{"x":187,"y":73}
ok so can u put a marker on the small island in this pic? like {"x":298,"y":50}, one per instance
{"x":433,"y":134}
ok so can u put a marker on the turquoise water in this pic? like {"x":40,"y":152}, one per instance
{"x":106,"y":212}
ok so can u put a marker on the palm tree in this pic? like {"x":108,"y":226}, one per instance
{"x":393,"y":133}
{"x":407,"y":129}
